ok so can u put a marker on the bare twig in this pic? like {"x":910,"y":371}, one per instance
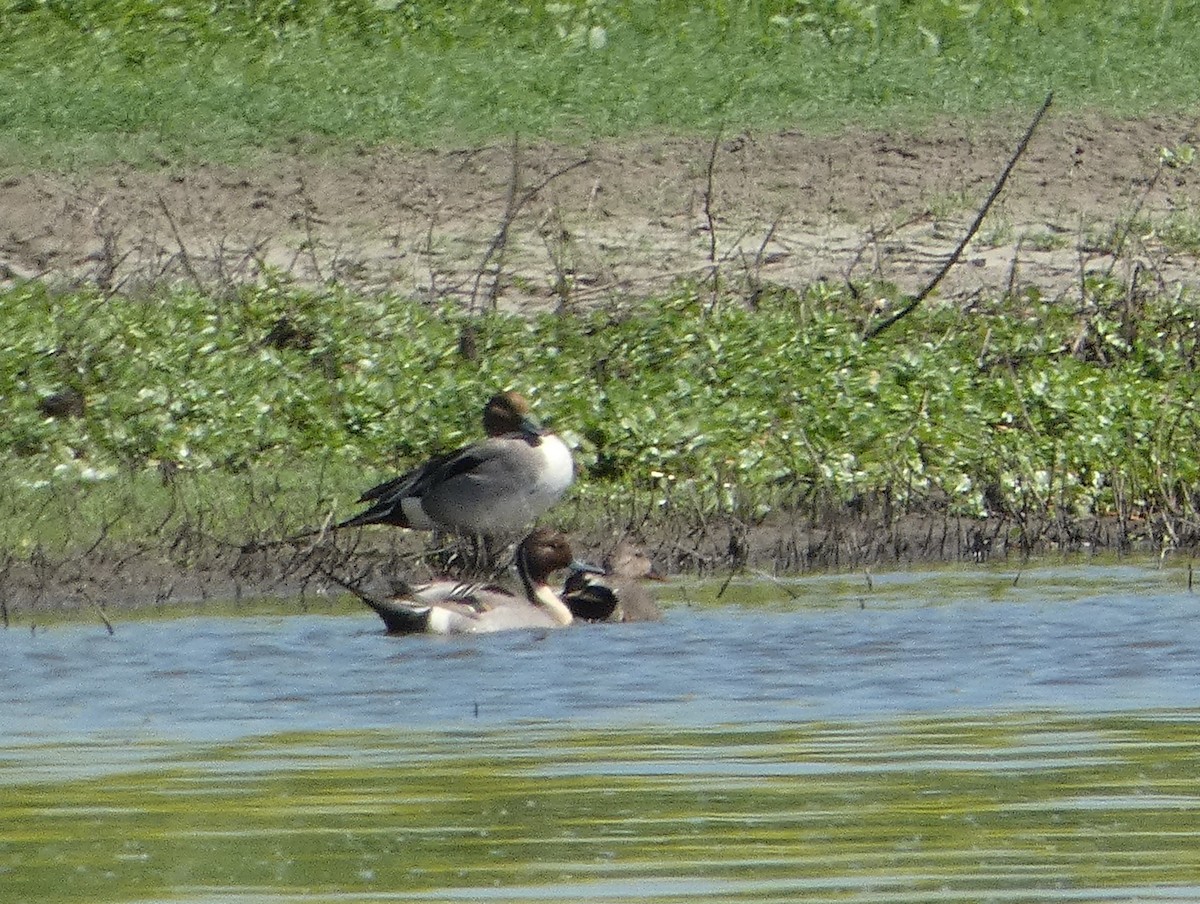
{"x":109,"y":259}
{"x":557,"y":239}
{"x":516,"y":200}
{"x":872,"y":240}
{"x":499,"y":244}
{"x":350,"y":585}
{"x":3,"y":592}
{"x":1014,"y":265}
{"x":754,"y":272}
{"x":307,"y":206}
{"x":760,"y":255}
{"x":1119,"y":244}
{"x":916,"y":300}
{"x":184,"y":257}
{"x":711,"y":220}
{"x":427,"y":247}
{"x":103,"y":617}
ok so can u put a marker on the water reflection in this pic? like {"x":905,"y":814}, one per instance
{"x":980,"y":749}
{"x":1035,"y":806}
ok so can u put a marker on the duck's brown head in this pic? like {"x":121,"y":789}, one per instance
{"x":546,"y":551}
{"x":509,"y":412}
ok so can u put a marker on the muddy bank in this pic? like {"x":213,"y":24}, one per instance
{"x":195,"y":571}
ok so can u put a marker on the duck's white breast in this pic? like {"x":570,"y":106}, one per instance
{"x":557,"y":469}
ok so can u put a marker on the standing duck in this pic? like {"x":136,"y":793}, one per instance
{"x":485,"y":489}
{"x":451,"y":607}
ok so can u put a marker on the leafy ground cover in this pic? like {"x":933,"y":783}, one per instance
{"x":1019,"y":405}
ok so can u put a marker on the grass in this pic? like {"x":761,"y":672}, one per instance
{"x":1179,"y":232}
{"x":149,"y":81}
{"x":1042,"y":240}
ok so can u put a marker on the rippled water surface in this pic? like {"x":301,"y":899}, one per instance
{"x":935,"y":737}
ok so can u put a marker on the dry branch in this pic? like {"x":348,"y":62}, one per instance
{"x":710,"y":219}
{"x":873,"y":331}
{"x":516,"y":201}
{"x":184,"y":257}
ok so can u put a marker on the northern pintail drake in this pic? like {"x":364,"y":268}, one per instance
{"x":451,"y":607}
{"x":489,"y":488}
{"x":618,"y":593}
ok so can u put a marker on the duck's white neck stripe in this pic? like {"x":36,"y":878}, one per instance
{"x":539,"y":594}
{"x":549,"y":600}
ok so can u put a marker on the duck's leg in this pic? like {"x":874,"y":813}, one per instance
{"x":485,"y":551}
{"x":468,"y":556}
{"x":471,"y":557}
{"x":444,"y":553}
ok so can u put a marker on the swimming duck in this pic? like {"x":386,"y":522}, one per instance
{"x":617,"y":594}
{"x":452,"y":607}
{"x":486,"y":489}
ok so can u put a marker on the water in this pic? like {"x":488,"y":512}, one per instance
{"x":937,"y":737}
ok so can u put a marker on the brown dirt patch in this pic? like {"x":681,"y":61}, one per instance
{"x":787,"y":208}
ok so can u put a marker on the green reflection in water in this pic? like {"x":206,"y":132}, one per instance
{"x":1017,"y":807}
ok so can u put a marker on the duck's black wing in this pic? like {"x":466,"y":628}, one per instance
{"x":389,"y":495}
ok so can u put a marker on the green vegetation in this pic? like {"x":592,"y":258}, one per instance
{"x":208,"y":408}
{"x":259,"y":410}
{"x":91,"y":81}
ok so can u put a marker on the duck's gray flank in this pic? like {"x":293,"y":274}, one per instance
{"x":490,"y":488}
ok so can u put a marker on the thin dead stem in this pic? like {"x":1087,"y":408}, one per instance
{"x":185,"y":257}
{"x":874,"y":330}
{"x":516,"y":199}
{"x":709,"y":171}
{"x":307,"y":207}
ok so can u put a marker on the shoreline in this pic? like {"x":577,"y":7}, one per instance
{"x":213,"y":576}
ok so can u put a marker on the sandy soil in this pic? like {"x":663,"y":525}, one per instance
{"x":588,"y":223}
{"x":538,"y":227}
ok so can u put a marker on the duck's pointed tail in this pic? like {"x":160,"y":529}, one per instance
{"x":389,"y":510}
{"x":398,"y":617}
